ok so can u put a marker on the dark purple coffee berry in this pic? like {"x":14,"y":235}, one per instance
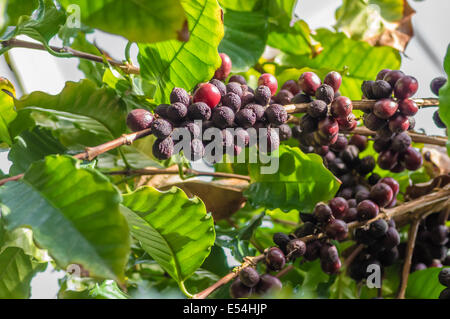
{"x":412,"y":159}
{"x":362,"y":195}
{"x":309,"y":82}
{"x":350,"y":155}
{"x":176,"y":112}
{"x":258,"y":109}
{"x":401,"y":142}
{"x":247,"y":98}
{"x":387,"y":159}
{"x":408,"y":107}
{"x":381,"y":194}
{"x":341,"y":107}
{"x":283,"y":97}
{"x":301,"y":98}
{"x":317,"y":109}
{"x":323,"y":213}
{"x":359,"y":141}
{"x":337,"y":229}
{"x":340,"y":144}
{"x":308,"y":228}
{"x":367,"y":89}
{"x":339,"y":207}
{"x":249,"y":277}
{"x":373,"y":122}
{"x":436,"y":84}
{"x":239,"y":290}
{"x":284,"y":132}
{"x":378,"y":228}
{"x":179,"y":95}
{"x":398,"y":123}
{"x":235,"y":88}
{"x":393,"y":184}
{"x":437,"y":120}
{"x":291,"y":86}
{"x":391,"y":238}
{"x":374,"y":178}
{"x":296,"y":248}
{"x":444,"y":277}
{"x":222,"y":116}
{"x":220,"y":86}
{"x":262,"y":95}
{"x":281,"y":240}
{"x":308,"y":124}
{"x":367,"y":210}
{"x":232,"y":100}
{"x":325,"y":93}
{"x":382,"y":73}
{"x":393,"y":76}
{"x":275,"y":259}
{"x":199,"y":111}
{"x":366,"y":165}
{"x":381,"y":90}
{"x":163,"y":148}
{"x":380,"y":144}
{"x":312,"y":250}
{"x":268,"y":283}
{"x":245,"y":118}
{"x":276,"y":114}
{"x":139,"y":119}
{"x":161,"y":128}
{"x":237,"y":78}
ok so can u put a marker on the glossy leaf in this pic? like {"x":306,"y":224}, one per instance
{"x":444,"y":97}
{"x":7,"y":111}
{"x":59,"y":200}
{"x":245,"y":38}
{"x":300,"y":182}
{"x":424,"y":284}
{"x":172,"y":63}
{"x":138,"y":20}
{"x":16,"y":271}
{"x":175,"y":230}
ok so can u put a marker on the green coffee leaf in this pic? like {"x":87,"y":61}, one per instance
{"x":300,"y":182}
{"x":74,"y":214}
{"x":7,"y":111}
{"x":424,"y":284}
{"x":175,"y":230}
{"x":444,"y":97}
{"x":172,"y":63}
{"x":138,"y":20}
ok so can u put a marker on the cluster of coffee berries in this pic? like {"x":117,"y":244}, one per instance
{"x":392,"y":118}
{"x":231,"y":108}
{"x":444,"y":279}
{"x":326,"y":115}
{"x":435,"y":86}
{"x":249,"y":283}
{"x":380,"y":239}
{"x":432,"y":243}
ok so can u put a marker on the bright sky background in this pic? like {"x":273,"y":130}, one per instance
{"x":41,"y":71}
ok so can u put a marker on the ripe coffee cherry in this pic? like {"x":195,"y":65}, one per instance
{"x":398,"y":123}
{"x":373,"y":122}
{"x":339,"y":207}
{"x":323,"y":213}
{"x":257,"y":109}
{"x":437,"y":120}
{"x":281,"y":240}
{"x":444,"y":277}
{"x":291,"y":86}
{"x":309,"y":82}
{"x":268,"y":283}
{"x":139,"y":119}
{"x":381,"y":194}
{"x":362,"y":195}
{"x":347,"y":123}
{"x":161,"y":128}
{"x":393,"y":76}
{"x":325,"y":93}
{"x":239,"y":290}
{"x":276,"y":114}
{"x":350,"y":155}
{"x":245,"y":118}
{"x":249,"y":277}
{"x":406,"y":87}
{"x":366,"y":165}
{"x":378,"y":228}
{"x":179,"y":95}
{"x":199,"y":111}
{"x":436,"y":84}
{"x":341,"y":107}
{"x":382,"y":73}
{"x":161,"y":110}
{"x":220,"y":86}
{"x":232,"y":100}
{"x":337,"y":229}
{"x":275,"y":259}
{"x":193,"y":129}
{"x":385,"y":108}
{"x":340,"y":144}
{"x":391,"y":238}
{"x":247,"y":98}
{"x":296,"y":248}
{"x":317,"y":109}
{"x":224,"y":70}
{"x":301,"y":98}
{"x":359,"y":141}
{"x":270,"y":81}
{"x":408,"y":107}
{"x":222,"y":117}
{"x":380,"y":145}
{"x":381,"y":89}
{"x":362,"y":236}
{"x":262,"y":95}
{"x":366,"y":88}
{"x":412,"y":159}
{"x":176,"y":112}
{"x":331,"y":267}
{"x":328,"y":126}
{"x":393,"y":184}
{"x":374,"y":178}
{"x":367,"y":210}
{"x":283,"y":97}
{"x":333,"y":79}
{"x":387,"y":159}
{"x":237,"y":78}
{"x":388,"y":257}
{"x":401,"y":142}
{"x":308,"y":228}
{"x":208,"y":94}
{"x":163,"y":148}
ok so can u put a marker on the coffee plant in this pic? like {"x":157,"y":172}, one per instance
{"x":203,"y":168}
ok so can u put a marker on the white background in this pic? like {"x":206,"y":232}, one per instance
{"x":423,"y":58}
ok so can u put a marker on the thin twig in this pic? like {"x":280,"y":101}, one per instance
{"x":408,"y":257}
{"x":126,"y":67}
